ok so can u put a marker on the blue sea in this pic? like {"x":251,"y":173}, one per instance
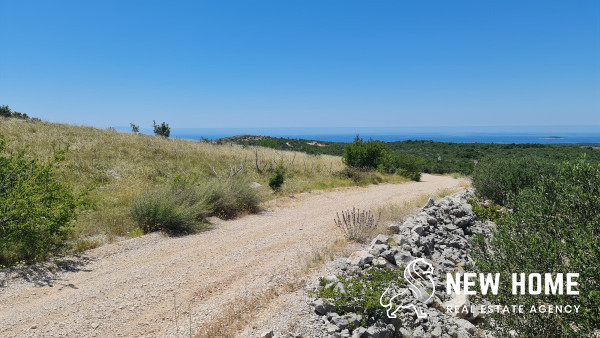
{"x":502,"y":135}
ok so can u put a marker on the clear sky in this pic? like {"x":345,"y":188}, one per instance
{"x":302,"y":63}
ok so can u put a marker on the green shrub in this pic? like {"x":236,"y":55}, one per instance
{"x":165,"y":209}
{"x":554,"y":228}
{"x":486,"y":211}
{"x":277,"y":179}
{"x":495,"y":179}
{"x":362,"y":155}
{"x":5,"y":111}
{"x":414,"y":176}
{"x":269,"y":143}
{"x":184,"y":205}
{"x":36,"y":212}
{"x":134,"y":128}
{"x":361,"y":292}
{"x":231,"y":197}
{"x":82,"y":245}
{"x":361,"y":177}
{"x":161,"y":129}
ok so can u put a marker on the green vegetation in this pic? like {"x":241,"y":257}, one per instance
{"x":305,"y":146}
{"x":497,"y":178}
{"x":360,"y":292}
{"x":36,"y":211}
{"x":5,"y":111}
{"x":184,"y":205}
{"x":554,"y":227}
{"x":485,"y":210}
{"x":171,"y":209}
{"x":110,"y":172}
{"x":277,"y":179}
{"x":230,"y":198}
{"x":441,"y":157}
{"x":269,"y":143}
{"x":134,"y":128}
{"x":372,"y":154}
{"x":365,"y":155}
{"x":161,"y":129}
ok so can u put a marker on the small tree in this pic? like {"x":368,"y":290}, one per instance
{"x":365,"y":155}
{"x":135,"y":128}
{"x":276,"y":181}
{"x":5,"y":111}
{"x":162,"y":129}
{"x":36,"y":211}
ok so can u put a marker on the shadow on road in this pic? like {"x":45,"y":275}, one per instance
{"x":45,"y":273}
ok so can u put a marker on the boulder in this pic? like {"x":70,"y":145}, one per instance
{"x":389,"y":255}
{"x":267,"y":334}
{"x":322,"y":308}
{"x":380,"y":239}
{"x":402,"y":258}
{"x":393,"y":228}
{"x":359,"y":332}
{"x":379,"y":332}
{"x":419,"y":229}
{"x":340,"y":321}
{"x":377,"y":249}
{"x":360,"y":258}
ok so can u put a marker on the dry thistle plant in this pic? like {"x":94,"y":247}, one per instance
{"x":355,"y":224}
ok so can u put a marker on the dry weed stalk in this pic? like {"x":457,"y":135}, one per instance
{"x":356,"y":224}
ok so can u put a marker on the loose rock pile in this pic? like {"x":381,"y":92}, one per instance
{"x":440,"y":234}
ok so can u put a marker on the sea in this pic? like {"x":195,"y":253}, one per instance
{"x":459,"y":134}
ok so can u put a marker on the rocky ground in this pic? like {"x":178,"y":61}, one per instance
{"x":440,"y":234}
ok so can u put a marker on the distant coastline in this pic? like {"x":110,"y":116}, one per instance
{"x":588,"y":136}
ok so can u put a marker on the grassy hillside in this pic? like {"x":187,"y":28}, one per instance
{"x":110,"y":170}
{"x":439,"y":157}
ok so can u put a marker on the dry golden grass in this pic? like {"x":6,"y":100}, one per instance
{"x":112,"y":168}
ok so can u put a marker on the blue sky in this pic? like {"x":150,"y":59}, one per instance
{"x":302,"y":63}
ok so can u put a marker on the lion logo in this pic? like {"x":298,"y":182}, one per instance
{"x":415,"y":277}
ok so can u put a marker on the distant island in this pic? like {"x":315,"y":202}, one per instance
{"x":552,"y":138}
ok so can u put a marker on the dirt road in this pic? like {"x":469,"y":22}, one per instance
{"x":160,"y":286}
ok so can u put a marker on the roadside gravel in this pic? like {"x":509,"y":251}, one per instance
{"x":156,"y":285}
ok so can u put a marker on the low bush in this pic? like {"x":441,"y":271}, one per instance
{"x":365,"y":155}
{"x":230,"y":197}
{"x":269,"y":143}
{"x":277,"y":179}
{"x":485,"y":210}
{"x":554,"y":228}
{"x":162,"y":129}
{"x":413,"y":176}
{"x":361,"y":292}
{"x":369,"y":155}
{"x":184,"y":205}
{"x":36,"y":212}
{"x":495,"y":179}
{"x":5,"y":111}
{"x":166,"y":209}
